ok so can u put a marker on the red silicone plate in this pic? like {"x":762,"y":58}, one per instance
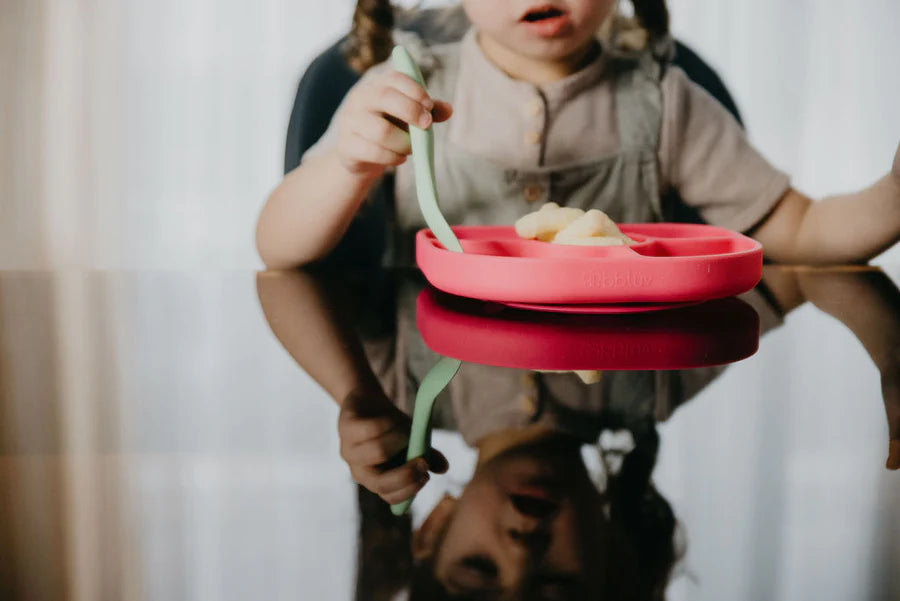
{"x":714,"y":333}
{"x":670,"y":263}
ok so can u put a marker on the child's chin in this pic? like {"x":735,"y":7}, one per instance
{"x":551,"y":49}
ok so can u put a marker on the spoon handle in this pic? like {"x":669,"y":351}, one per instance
{"x":433,"y":383}
{"x":422,"y":141}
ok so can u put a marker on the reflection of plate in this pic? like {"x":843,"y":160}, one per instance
{"x":712,"y":333}
{"x":601,"y":309}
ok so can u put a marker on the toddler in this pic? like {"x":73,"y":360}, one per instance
{"x":539,"y":107}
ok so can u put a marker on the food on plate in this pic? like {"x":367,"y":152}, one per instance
{"x":546,"y":222}
{"x":566,"y":225}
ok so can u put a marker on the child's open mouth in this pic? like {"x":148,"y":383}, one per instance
{"x":546,"y":20}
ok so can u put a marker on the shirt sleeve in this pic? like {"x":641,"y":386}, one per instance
{"x":705,"y":156}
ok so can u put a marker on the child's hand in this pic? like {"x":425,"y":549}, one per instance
{"x":374,"y":436}
{"x":373,"y":123}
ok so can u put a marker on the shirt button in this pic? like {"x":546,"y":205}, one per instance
{"x":534,"y":107}
{"x":533,"y":192}
{"x":533,"y":138}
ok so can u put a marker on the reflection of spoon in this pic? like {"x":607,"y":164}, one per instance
{"x":419,"y":437}
{"x":422,"y":141}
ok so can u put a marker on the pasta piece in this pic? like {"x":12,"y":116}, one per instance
{"x":566,"y":225}
{"x":546,"y":222}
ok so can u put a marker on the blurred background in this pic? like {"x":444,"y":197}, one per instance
{"x":147,"y":134}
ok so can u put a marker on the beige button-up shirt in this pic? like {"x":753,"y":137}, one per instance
{"x":703,"y":153}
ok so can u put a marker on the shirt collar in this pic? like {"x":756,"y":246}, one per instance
{"x":474,"y":64}
{"x":482,"y":84}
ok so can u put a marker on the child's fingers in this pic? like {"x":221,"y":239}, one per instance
{"x":407,"y":492}
{"x":378,"y":451}
{"x":441,"y":111}
{"x":410,"y":88}
{"x":411,"y":475}
{"x":361,"y":150}
{"x":378,"y":129}
{"x":437,"y":463}
{"x":395,"y":103}
{"x":356,"y":430}
{"x":893,"y":460}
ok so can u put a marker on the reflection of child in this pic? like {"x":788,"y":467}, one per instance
{"x":510,"y":482}
{"x":543,"y":111}
{"x":529,"y":521}
{"x":561,"y":530}
{"x":568,"y":538}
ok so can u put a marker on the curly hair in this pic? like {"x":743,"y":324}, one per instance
{"x":648,"y":524}
{"x":370,"y":40}
{"x":653,"y":16}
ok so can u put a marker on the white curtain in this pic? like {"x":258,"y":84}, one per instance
{"x":147,"y":134}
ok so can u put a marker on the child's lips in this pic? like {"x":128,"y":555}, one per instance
{"x":546,"y":20}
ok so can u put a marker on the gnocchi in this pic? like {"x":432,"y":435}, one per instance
{"x":546,"y":222}
{"x":566,"y":225}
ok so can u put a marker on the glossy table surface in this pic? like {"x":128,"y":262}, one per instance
{"x":158,"y":440}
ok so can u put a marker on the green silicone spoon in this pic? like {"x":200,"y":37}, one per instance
{"x":433,"y":383}
{"x":422,"y":141}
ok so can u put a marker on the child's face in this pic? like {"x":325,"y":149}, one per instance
{"x":528,"y":521}
{"x":539,"y":29}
